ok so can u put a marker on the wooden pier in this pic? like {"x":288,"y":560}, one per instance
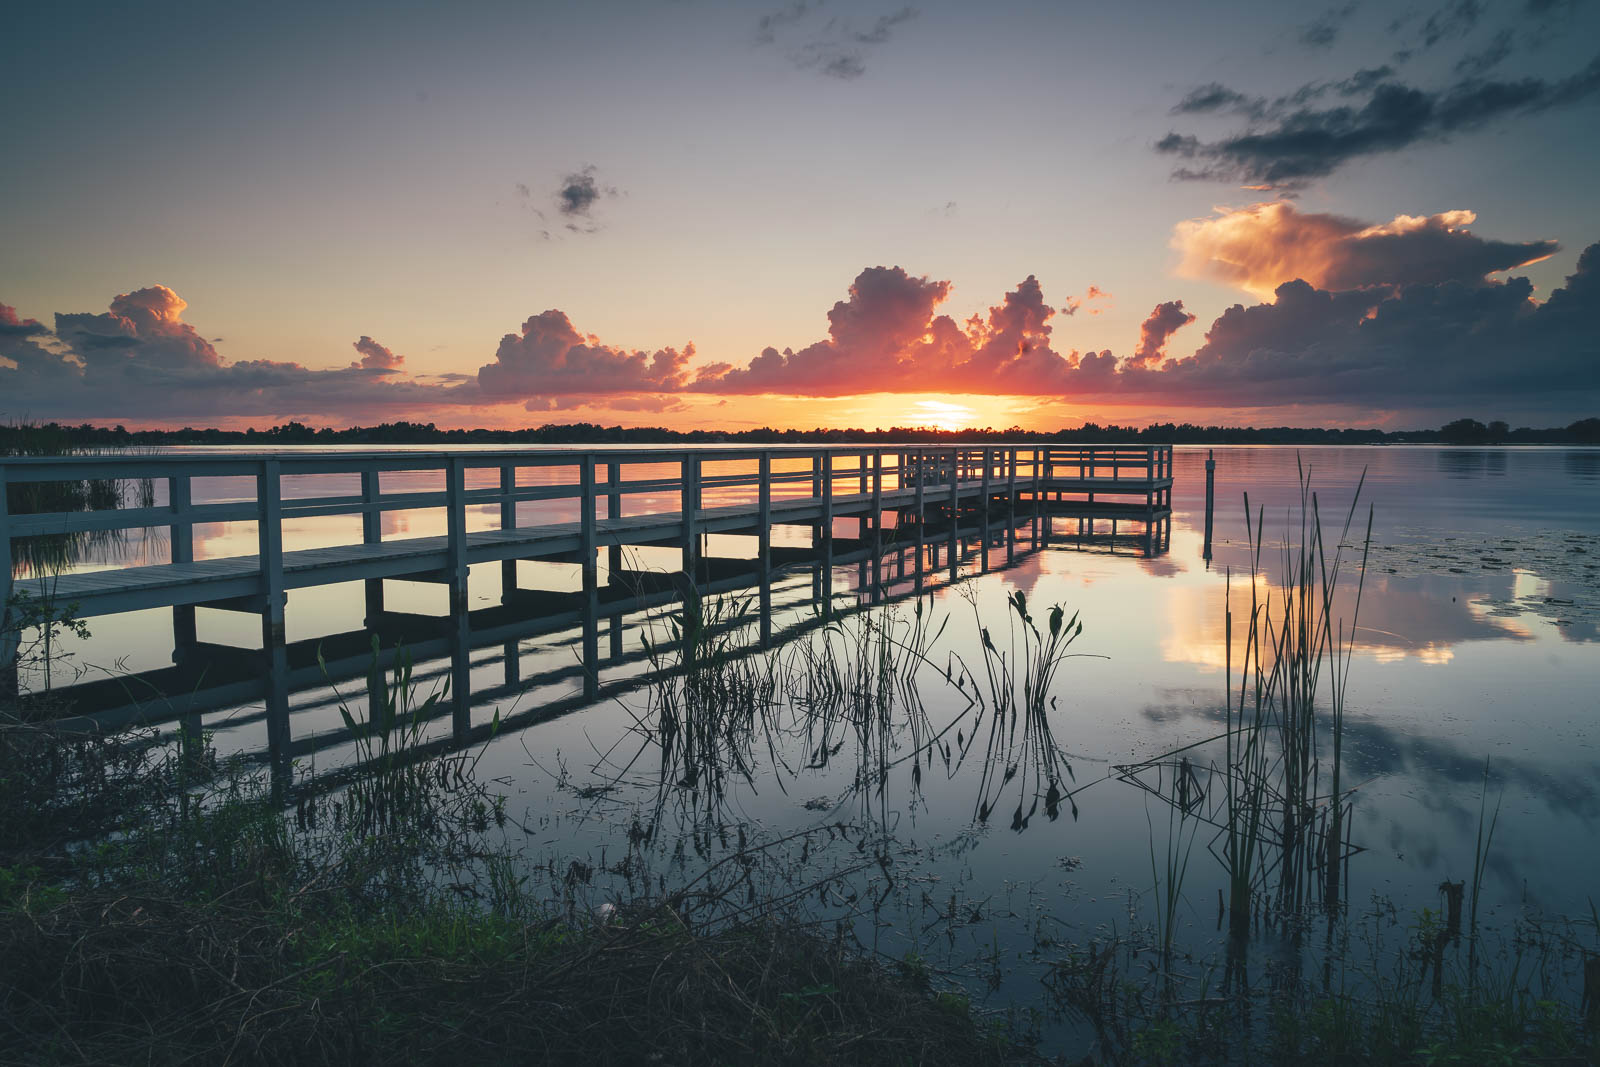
{"x":910,"y":505}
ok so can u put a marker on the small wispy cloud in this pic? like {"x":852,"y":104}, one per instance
{"x":834,"y":46}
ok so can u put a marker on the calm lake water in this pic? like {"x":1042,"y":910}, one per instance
{"x":1479,"y":638}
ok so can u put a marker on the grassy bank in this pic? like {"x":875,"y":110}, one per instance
{"x":159,"y":907}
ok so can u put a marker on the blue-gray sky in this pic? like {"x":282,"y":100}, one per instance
{"x":435,"y":179}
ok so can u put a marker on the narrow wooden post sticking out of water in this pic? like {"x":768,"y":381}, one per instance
{"x":1211,"y":476}
{"x":690,"y":495}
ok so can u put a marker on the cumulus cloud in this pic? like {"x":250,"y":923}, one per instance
{"x":140,"y":360}
{"x":549,"y":357}
{"x":887,"y":336}
{"x":1419,"y":345}
{"x":1258,"y":247}
{"x":144,"y":328}
{"x":1167,"y":319}
{"x":1290,"y":142}
{"x":375,"y":356}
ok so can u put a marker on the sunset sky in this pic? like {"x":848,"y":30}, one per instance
{"x":702,"y":214}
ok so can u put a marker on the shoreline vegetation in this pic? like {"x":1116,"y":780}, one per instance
{"x":1465,"y":431}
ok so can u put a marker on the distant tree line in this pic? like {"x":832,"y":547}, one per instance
{"x":1461,"y":431}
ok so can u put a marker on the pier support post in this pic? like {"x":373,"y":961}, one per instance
{"x":1011,"y":505}
{"x":826,"y":573}
{"x":589,"y":550}
{"x":922,"y":517}
{"x":371,"y":534}
{"x":508,"y":521}
{"x":689,"y":509}
{"x":184,"y":634}
{"x":983,"y":508}
{"x":1038,"y":498}
{"x":274,"y":645}
{"x":613,"y":513}
{"x":459,"y":622}
{"x":764,"y":542}
{"x":877,"y":524}
{"x":181,"y":534}
{"x":955,"y":511}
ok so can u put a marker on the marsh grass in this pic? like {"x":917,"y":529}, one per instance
{"x":215,"y":926}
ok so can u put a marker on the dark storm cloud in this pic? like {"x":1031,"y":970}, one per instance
{"x":1322,"y":31}
{"x":1391,"y":346}
{"x":1289,"y":148}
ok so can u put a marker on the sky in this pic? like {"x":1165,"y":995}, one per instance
{"x":724,"y":215}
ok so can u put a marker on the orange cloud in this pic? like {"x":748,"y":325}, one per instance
{"x":1259,"y":247}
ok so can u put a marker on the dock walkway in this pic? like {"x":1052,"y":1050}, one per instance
{"x":920,"y":499}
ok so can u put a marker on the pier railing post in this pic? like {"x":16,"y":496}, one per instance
{"x":508,"y":521}
{"x":589,"y":550}
{"x":274,"y":646}
{"x":825,"y":590}
{"x":764,"y":542}
{"x":690,"y":497}
{"x":372,"y":534}
{"x":460,"y":603}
